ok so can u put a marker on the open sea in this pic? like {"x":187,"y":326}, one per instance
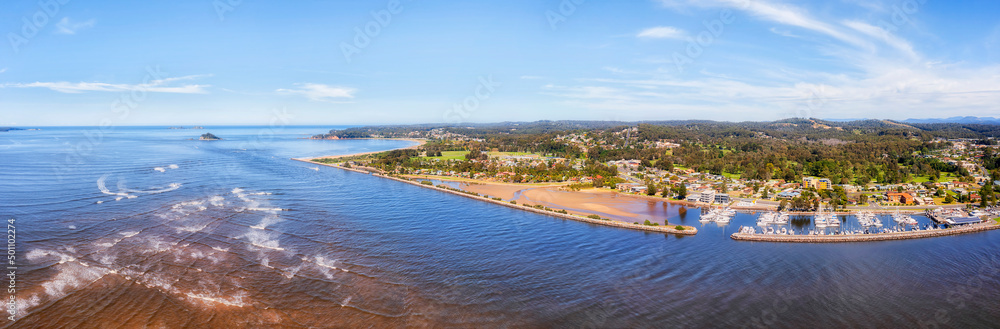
{"x":142,"y":227}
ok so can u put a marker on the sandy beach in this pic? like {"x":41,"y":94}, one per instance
{"x":607,"y":203}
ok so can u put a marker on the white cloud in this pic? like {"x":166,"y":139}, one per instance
{"x":3,"y":70}
{"x":783,"y":32}
{"x":319,"y":92}
{"x":66,"y":26}
{"x":157,"y":86}
{"x":884,"y":36}
{"x":662,"y":32}
{"x":867,"y":71}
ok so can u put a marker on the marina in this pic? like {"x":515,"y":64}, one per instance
{"x":866,"y":226}
{"x":887,"y":236}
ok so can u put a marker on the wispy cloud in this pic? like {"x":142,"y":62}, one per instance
{"x":67,"y":26}
{"x":156,"y":86}
{"x":3,"y":70}
{"x":661,"y":32}
{"x":888,"y":77}
{"x":783,"y":32}
{"x":319,"y":92}
{"x":885,"y":36}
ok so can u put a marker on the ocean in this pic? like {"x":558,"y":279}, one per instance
{"x":143,"y":227}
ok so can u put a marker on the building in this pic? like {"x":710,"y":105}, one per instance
{"x":904,"y":198}
{"x":625,"y":187}
{"x":789,"y":194}
{"x":823,"y":184}
{"x":722,"y":198}
{"x":809,"y":182}
{"x":817,"y":183}
{"x":707,"y":196}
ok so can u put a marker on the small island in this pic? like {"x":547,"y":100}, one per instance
{"x":209,"y":137}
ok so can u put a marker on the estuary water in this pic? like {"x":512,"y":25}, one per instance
{"x":142,"y":227}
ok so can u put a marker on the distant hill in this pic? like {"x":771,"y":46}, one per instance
{"x":3,"y":129}
{"x":965,"y":119}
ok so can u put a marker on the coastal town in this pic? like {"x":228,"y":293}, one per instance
{"x":939,"y":175}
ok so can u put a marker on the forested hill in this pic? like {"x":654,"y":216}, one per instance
{"x":810,"y":129}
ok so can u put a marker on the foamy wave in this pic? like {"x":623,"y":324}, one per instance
{"x":160,"y":169}
{"x":72,"y":276}
{"x":173,"y":166}
{"x":266,"y":209}
{"x":104,"y":189}
{"x":262,"y":239}
{"x":216,"y":200}
{"x":235,"y":300}
{"x":268,"y":245}
{"x":192,"y":228}
{"x":266,"y":221}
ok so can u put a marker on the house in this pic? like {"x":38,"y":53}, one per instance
{"x":693,"y":197}
{"x":626,"y":187}
{"x":904,"y":198}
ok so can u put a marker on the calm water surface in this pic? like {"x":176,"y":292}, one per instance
{"x":142,"y":227}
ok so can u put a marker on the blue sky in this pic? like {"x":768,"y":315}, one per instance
{"x":302,"y":62}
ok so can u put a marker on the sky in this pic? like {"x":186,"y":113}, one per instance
{"x":215,"y":62}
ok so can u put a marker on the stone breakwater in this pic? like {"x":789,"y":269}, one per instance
{"x":865,"y":237}
{"x":688,"y":230}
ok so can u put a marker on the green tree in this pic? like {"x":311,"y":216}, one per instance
{"x":949,"y":199}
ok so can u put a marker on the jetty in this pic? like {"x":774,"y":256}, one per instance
{"x":671,"y":229}
{"x":890,"y":236}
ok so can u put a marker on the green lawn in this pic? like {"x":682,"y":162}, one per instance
{"x":948,"y":177}
{"x":500,"y":154}
{"x":451,"y":155}
{"x":731,"y":176}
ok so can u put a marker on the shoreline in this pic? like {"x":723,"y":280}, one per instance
{"x":688,"y":230}
{"x":983,"y":227}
